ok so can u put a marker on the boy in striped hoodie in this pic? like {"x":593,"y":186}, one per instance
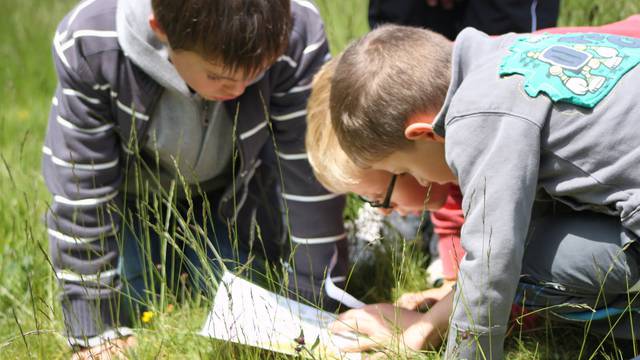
{"x":191,"y":108}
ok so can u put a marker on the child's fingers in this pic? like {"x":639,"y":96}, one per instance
{"x":110,"y":350}
{"x":408,"y":301}
{"x":97,"y":353}
{"x":103,"y":351}
{"x":356,"y":320}
{"x":344,"y":325}
{"x":361,"y":344}
{"x":353,"y":314}
{"x":416,"y":301}
{"x":377,"y":356}
{"x":408,"y":306}
{"x":130,"y":341}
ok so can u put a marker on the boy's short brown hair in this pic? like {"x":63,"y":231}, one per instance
{"x":331,"y":166}
{"x":382,"y":79}
{"x":242,"y":34}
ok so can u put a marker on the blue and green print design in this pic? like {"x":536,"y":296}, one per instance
{"x":577,"y":68}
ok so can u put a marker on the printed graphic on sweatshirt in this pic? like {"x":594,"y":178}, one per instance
{"x":580,"y":68}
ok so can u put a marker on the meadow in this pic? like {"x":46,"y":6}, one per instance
{"x":30,"y":316}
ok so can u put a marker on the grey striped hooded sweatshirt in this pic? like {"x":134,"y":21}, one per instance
{"x":100,"y":116}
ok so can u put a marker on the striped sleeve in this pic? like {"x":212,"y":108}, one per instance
{"x":315,"y":215}
{"x":82,"y":170}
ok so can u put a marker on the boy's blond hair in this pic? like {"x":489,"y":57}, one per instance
{"x":381,"y":80}
{"x":330,"y":164}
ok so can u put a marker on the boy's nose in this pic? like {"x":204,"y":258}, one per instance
{"x":237,"y":88}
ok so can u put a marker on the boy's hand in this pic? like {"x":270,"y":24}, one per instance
{"x":424,"y":299}
{"x":378,"y":323}
{"x":109,"y":350}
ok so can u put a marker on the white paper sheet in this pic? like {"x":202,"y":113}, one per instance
{"x":247,"y":314}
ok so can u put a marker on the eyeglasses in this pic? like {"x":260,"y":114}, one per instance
{"x":386,"y":203}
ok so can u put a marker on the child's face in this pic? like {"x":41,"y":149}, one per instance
{"x":408,"y":196}
{"x":425,"y":161}
{"x":208,"y":78}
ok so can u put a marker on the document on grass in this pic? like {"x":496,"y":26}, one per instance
{"x":248,"y":314}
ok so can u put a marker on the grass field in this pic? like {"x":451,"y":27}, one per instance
{"x":30,"y":318}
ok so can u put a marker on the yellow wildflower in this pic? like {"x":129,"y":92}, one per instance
{"x":147,"y":316}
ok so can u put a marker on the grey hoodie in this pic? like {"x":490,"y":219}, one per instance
{"x":508,"y":148}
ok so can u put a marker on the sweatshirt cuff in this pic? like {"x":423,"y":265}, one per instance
{"x":464,"y":343}
{"x":89,"y":318}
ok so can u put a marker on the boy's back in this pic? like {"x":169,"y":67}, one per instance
{"x":509,"y":149}
{"x":515,"y":152}
{"x":587,"y":156}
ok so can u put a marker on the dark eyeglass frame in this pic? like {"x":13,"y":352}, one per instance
{"x":386,"y":203}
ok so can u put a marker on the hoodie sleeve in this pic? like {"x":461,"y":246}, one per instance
{"x":496,"y":159}
{"x":314,"y":215}
{"x":82,"y":170}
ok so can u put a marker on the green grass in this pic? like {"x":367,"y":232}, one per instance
{"x":30,"y":318}
{"x":27,"y":290}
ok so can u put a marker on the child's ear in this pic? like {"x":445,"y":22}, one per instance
{"x":421,"y":131}
{"x":157,"y":29}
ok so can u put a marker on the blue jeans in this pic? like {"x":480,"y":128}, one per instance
{"x":576,"y":260}
{"x":185,"y":260}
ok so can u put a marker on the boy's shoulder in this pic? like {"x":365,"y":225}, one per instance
{"x":307,"y":28}
{"x":529,"y":72}
{"x":89,"y":28}
{"x":307,"y":49}
{"x":98,"y":14}
{"x":476,"y":64}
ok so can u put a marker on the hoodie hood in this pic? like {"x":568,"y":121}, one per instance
{"x":140,"y":44}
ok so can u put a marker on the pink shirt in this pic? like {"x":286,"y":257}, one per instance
{"x":447,"y":222}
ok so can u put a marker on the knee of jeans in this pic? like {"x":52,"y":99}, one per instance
{"x":583,"y":253}
{"x":621,"y":273}
{"x":136,"y":280}
{"x":630,"y":267}
{"x":614,"y":272}
{"x":134,"y":287}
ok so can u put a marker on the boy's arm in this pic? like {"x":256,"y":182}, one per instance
{"x":314,"y":215}
{"x":496,"y":159}
{"x":82,"y":170}
{"x":425,"y":298}
{"x":378,"y":324}
{"x":431,"y":330}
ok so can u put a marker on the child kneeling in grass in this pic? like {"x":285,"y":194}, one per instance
{"x":160,"y":157}
{"x":538,"y":132}
{"x":388,"y":192}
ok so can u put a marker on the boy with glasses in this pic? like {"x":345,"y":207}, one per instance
{"x":386,"y":192}
{"x":537,"y":131}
